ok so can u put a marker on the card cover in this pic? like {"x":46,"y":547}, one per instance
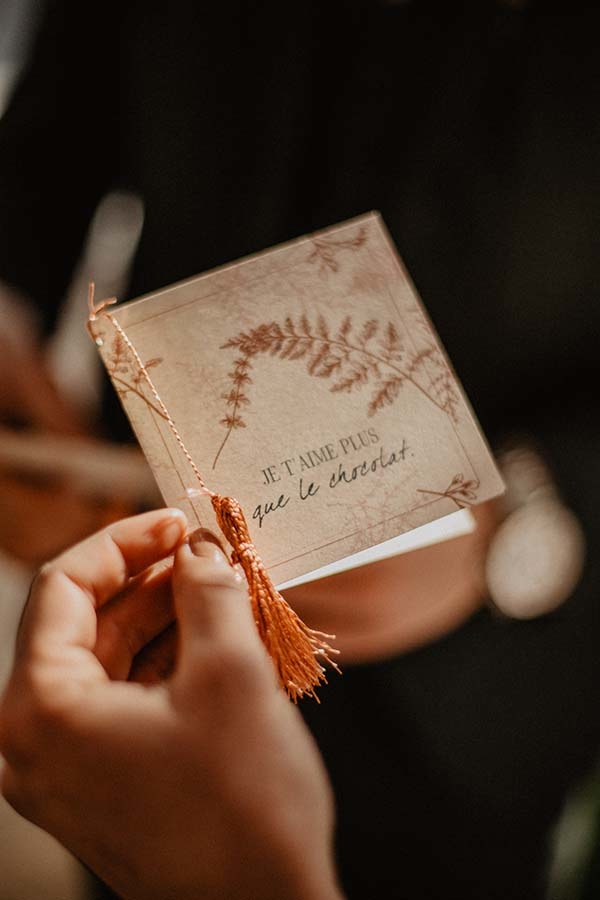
{"x":308,"y":382}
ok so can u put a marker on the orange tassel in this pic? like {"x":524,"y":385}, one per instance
{"x":296,"y":650}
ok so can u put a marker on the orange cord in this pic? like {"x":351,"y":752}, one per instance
{"x":296,"y":650}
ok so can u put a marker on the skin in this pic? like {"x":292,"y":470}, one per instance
{"x":400,"y":603}
{"x":39,"y":516}
{"x":169,"y":761}
{"x":28,"y":395}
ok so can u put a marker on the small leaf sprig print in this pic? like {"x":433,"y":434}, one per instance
{"x":442,"y":381}
{"x":126,"y":378}
{"x":326,"y":250}
{"x":350,"y":356}
{"x":462,"y":492}
{"x":236,"y":399}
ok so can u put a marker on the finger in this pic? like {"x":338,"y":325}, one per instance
{"x":211,"y":596}
{"x":156,"y":662}
{"x":134,"y":618}
{"x":45,"y":406}
{"x":28,"y":392}
{"x":67,"y":591}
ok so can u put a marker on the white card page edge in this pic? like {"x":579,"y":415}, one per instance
{"x":443,"y":529}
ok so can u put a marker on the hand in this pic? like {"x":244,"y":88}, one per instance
{"x":28,"y":394}
{"x":41,"y":514}
{"x":58,"y":489}
{"x":205,"y":785}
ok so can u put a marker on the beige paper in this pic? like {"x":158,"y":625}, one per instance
{"x":307,"y":382}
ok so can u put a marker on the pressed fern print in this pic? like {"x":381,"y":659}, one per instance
{"x":350,"y":356}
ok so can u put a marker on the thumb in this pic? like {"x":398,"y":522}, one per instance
{"x":211,"y":597}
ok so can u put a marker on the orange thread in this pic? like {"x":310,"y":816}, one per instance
{"x":297,"y":651}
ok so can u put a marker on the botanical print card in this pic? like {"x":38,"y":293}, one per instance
{"x":307,"y":382}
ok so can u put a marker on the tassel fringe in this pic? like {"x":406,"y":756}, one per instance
{"x":296,"y":650}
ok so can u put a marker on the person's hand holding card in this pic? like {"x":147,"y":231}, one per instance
{"x":206,"y":784}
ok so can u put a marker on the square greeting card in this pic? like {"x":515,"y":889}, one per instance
{"x":306,"y":381}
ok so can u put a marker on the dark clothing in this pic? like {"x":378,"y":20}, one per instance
{"x":471,"y":126}
{"x":474,"y":128}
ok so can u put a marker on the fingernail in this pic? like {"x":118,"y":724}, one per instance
{"x":203,"y":542}
{"x":172,"y":527}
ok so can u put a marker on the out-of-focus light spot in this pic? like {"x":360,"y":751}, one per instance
{"x":537,"y":554}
